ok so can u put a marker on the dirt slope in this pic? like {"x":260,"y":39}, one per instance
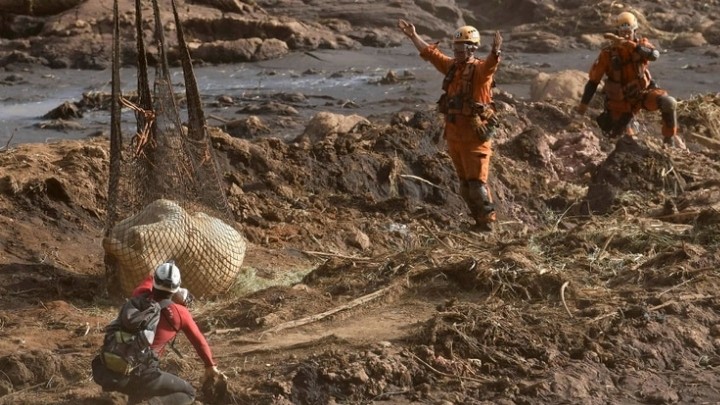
{"x":598,"y":286}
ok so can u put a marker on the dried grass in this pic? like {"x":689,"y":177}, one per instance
{"x":704,"y":110}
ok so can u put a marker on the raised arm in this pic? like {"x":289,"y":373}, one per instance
{"x":409,"y":30}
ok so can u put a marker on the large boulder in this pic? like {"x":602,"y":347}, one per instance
{"x":566,"y":85}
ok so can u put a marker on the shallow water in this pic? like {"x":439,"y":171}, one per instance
{"x":329,"y":78}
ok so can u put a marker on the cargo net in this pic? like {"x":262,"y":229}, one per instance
{"x":166,"y":200}
{"x":208,"y":251}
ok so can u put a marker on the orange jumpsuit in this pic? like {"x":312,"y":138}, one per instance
{"x":628,"y":85}
{"x":470,"y":155}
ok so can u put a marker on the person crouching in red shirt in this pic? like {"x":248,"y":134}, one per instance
{"x":147,"y":382}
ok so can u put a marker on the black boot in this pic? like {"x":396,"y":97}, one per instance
{"x":482,"y":226}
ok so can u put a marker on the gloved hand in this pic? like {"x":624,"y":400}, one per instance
{"x":497,"y":43}
{"x":581,"y":109}
{"x":646,"y":53}
{"x":620,"y":41}
{"x":212,"y":374}
{"x":183,"y":297}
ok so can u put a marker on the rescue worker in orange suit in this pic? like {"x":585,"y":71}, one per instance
{"x":628,"y":85}
{"x":470,"y":117}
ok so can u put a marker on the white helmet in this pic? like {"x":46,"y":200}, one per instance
{"x":167,"y":277}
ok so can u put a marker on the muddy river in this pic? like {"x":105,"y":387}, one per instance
{"x":341,"y":81}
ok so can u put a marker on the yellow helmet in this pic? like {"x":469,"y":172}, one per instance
{"x":626,"y":21}
{"x":467,"y":34}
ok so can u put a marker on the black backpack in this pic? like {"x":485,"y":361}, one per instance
{"x":128,"y":338}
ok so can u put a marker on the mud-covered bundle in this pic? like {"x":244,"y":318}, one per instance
{"x":207,"y":250}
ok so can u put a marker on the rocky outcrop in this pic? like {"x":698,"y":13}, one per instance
{"x":77,"y":33}
{"x":37,"y":7}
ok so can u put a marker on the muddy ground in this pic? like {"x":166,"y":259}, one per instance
{"x":599,"y":284}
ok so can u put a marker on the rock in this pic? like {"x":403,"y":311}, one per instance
{"x":689,"y":40}
{"x":66,"y":110}
{"x":594,"y":41}
{"x":225,"y":100}
{"x":37,"y":8}
{"x":358,"y":239}
{"x":566,"y":85}
{"x":9,"y":185}
{"x":326,"y":123}
{"x":712,"y":33}
{"x":249,"y":127}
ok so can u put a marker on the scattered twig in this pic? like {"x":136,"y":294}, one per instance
{"x":562,"y":297}
{"x":314,"y":318}
{"x":663,"y":305}
{"x":221,"y":119}
{"x":607,"y":243}
{"x":7,"y":145}
{"x":704,"y":141}
{"x":436,"y":237}
{"x":675,"y":286}
{"x":326,"y":254}
{"x":676,"y":176}
{"x":25,"y":292}
{"x":438,"y":372}
{"x":557,"y":223}
{"x":312,"y":55}
{"x":32,"y":387}
{"x":679,"y":217}
{"x":385,"y":395}
{"x":463,"y":238}
{"x":689,"y":298}
{"x":428,"y":182}
{"x":316,"y":241}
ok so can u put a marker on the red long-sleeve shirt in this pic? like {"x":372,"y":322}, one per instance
{"x":182,"y":320}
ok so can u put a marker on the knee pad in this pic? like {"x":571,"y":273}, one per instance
{"x":479,"y":194}
{"x":464,"y":190}
{"x":667,"y":104}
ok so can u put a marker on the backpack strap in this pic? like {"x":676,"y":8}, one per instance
{"x":466,"y":90}
{"x":449,"y":76}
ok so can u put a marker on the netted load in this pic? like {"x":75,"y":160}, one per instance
{"x":208,"y":251}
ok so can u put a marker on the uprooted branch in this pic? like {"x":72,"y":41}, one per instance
{"x":7,"y":145}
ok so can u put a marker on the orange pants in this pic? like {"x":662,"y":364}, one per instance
{"x":471,"y":159}
{"x":649,"y":101}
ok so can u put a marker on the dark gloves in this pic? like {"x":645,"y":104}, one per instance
{"x":497,"y":43}
{"x":647,"y":52}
